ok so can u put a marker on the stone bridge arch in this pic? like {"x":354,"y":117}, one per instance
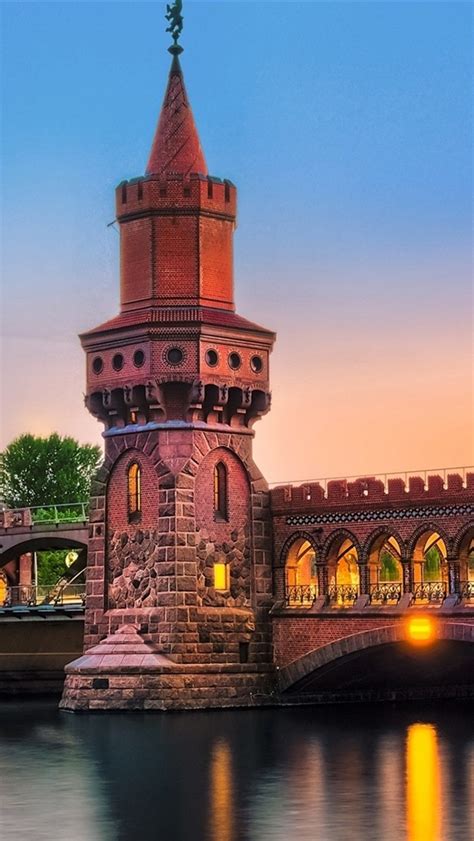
{"x":363,"y":641}
{"x":12,"y":546}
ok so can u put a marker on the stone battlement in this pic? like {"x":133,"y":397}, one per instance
{"x":370,"y":489}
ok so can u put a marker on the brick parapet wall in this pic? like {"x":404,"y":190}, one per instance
{"x":365,"y":492}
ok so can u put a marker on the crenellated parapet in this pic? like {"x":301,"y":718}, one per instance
{"x":367,"y":491}
{"x":170,"y":192}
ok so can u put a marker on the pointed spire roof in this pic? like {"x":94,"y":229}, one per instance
{"x":176,"y":145}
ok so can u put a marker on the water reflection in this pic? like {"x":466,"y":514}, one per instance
{"x":364,"y":774}
{"x":424,"y":802}
{"x":221,"y":793}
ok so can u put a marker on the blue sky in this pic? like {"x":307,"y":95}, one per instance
{"x":347,"y":128}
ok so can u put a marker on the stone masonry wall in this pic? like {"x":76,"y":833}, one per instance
{"x":158,"y":571}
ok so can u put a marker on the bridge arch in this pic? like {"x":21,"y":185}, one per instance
{"x":461,"y":537}
{"x":463,"y":553}
{"x":342,"y":556}
{"x":384,"y":552}
{"x":40,"y":542}
{"x":427,"y":528}
{"x":316,"y":660}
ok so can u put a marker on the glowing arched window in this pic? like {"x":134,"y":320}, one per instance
{"x":134,"y":491}
{"x":220,"y":491}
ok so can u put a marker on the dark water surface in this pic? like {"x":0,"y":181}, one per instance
{"x":377,"y":773}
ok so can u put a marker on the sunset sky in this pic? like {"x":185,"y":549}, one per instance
{"x":347,"y":128}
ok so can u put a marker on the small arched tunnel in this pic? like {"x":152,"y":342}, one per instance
{"x":42,"y":543}
{"x":385,"y":660}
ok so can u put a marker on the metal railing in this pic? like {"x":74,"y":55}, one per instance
{"x":389,"y":592}
{"x":35,"y":595}
{"x":467,"y":590}
{"x":47,"y":515}
{"x":343,"y":594}
{"x":386,"y":593}
{"x":430,"y":591}
{"x":298,"y":595}
{"x":384,"y":477}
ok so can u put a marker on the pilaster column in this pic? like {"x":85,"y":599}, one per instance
{"x":407,"y":576}
{"x":323,"y":579}
{"x":364,"y":579}
{"x":454,"y":575}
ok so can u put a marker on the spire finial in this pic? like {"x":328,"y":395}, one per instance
{"x":175,"y":20}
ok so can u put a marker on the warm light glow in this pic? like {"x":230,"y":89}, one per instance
{"x":420,"y":629}
{"x":134,"y":489}
{"x":221,"y":799}
{"x":221,"y":576}
{"x":423,"y":784}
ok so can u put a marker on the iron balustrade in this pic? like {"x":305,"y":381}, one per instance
{"x":343,"y":594}
{"x":44,"y":515}
{"x":383,"y":593}
{"x":467,"y":590}
{"x":430,"y":591}
{"x":300,"y":594}
{"x":34,"y":595}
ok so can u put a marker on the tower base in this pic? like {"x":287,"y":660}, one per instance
{"x":124,"y":673}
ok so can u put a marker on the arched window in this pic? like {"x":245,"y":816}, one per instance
{"x":134,"y":492}
{"x":301,"y":575}
{"x":220,"y":492}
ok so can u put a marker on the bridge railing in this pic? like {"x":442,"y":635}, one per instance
{"x":386,"y":593}
{"x":300,"y":595}
{"x":34,"y":595}
{"x":47,"y":515}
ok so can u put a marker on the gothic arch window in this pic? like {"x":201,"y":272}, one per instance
{"x":301,"y":575}
{"x":134,"y":492}
{"x":220,"y":491}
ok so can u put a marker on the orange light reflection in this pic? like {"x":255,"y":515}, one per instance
{"x":221,"y":794}
{"x":423,"y":784}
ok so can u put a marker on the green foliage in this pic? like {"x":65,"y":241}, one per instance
{"x":433,"y":560}
{"x":390,"y":570}
{"x":51,"y":566}
{"x":47,"y":471}
{"x":66,"y":514}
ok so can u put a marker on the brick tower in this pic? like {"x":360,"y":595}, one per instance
{"x":179,"y":577}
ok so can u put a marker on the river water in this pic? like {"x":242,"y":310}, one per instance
{"x":374,"y":773}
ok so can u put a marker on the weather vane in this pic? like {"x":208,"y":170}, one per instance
{"x":175,"y":20}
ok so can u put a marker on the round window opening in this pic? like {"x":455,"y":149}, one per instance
{"x":174,"y":356}
{"x":234,"y":360}
{"x":117,"y":362}
{"x":97,"y":365}
{"x":256,"y":364}
{"x":212,"y":357}
{"x":138,"y":358}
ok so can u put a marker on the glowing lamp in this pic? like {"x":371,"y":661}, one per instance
{"x":420,"y":629}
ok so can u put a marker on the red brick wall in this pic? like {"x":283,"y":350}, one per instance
{"x":223,"y":541}
{"x":179,"y":250}
{"x":295,"y":636}
{"x":176,"y":257}
{"x":117,"y":501}
{"x":238,"y":494}
{"x":136,"y":277}
{"x":216,"y":258}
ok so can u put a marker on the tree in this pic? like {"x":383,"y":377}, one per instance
{"x":47,"y":471}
